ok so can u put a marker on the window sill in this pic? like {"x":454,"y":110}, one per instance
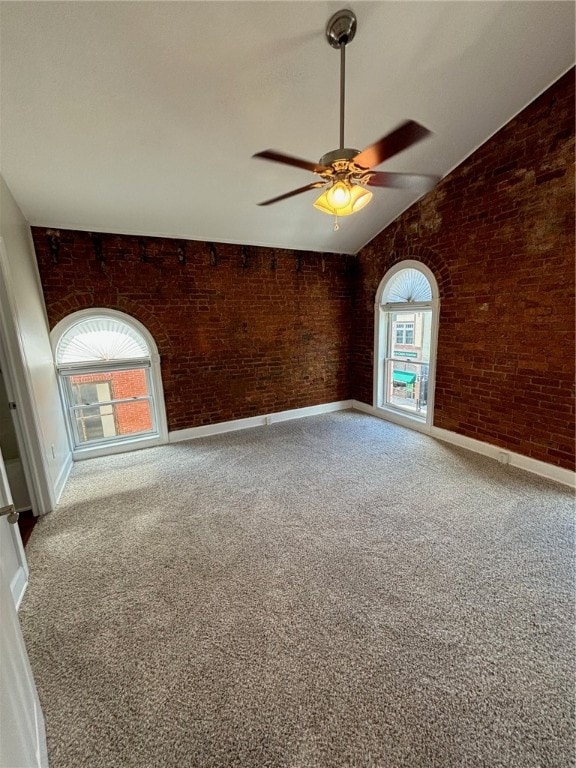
{"x":120,"y":446}
{"x":402,"y":418}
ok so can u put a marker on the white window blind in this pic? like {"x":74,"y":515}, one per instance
{"x":100,"y":340}
{"x":407,"y":286}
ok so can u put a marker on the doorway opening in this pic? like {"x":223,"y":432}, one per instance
{"x":13,"y":452}
{"x":406,"y":325}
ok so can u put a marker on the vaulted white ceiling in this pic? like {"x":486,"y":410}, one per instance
{"x":142,"y":117}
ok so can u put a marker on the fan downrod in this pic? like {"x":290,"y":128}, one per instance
{"x":341,"y":28}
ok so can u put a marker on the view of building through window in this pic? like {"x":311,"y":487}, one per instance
{"x":409,"y":360}
{"x":111,"y":403}
{"x":404,"y":332}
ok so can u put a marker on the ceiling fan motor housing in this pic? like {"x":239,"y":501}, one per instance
{"x":338,"y":154}
{"x":340,"y":166}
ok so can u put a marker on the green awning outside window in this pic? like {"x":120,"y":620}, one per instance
{"x":402,"y":377}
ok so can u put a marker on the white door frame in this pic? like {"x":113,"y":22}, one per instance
{"x":13,"y":364}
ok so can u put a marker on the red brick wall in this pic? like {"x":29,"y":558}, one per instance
{"x":498,"y":233}
{"x":240,"y":331}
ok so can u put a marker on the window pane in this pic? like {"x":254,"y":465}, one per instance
{"x":90,"y":392}
{"x":101,"y":415}
{"x":95,"y":423}
{"x":408,"y":359}
{"x":91,"y":388}
{"x":411,"y":329}
{"x":407,"y":385}
{"x":133,"y":418}
{"x":114,"y":420}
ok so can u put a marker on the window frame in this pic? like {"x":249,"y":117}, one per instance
{"x":383,"y":329}
{"x":151,"y":363}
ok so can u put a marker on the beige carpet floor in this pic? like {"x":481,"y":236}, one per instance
{"x":332,"y":592}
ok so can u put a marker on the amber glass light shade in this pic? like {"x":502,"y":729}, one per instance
{"x":343,"y":199}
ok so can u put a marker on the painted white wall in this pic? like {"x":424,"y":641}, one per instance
{"x":26,"y":342}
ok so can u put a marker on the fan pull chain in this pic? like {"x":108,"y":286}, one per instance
{"x":336,"y":225}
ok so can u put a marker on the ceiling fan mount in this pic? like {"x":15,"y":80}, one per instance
{"x":346,"y":173}
{"x":341,"y":28}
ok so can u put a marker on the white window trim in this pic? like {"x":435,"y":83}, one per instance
{"x":157,"y":390}
{"x":381,"y":330}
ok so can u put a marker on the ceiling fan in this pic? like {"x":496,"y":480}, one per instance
{"x":346,"y":173}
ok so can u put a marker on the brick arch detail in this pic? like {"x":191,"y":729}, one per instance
{"x":430,"y":258}
{"x":148,"y":319}
{"x":75,"y":302}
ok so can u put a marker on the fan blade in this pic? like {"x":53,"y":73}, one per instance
{"x":403,"y":181}
{"x":278,"y":157}
{"x":298,"y":191}
{"x":401,"y":138}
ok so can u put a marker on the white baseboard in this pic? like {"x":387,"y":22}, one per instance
{"x":256,"y":421}
{"x":536,"y":467}
{"x":62,"y":478}
{"x":311,"y":410}
{"x":549,"y":471}
{"x":358,"y":405}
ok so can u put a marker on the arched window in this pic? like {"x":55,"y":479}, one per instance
{"x":406,"y":329}
{"x":109,"y":372}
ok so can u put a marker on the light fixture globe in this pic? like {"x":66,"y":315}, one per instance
{"x":338,"y":195}
{"x":343,"y":202}
{"x":360,"y":197}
